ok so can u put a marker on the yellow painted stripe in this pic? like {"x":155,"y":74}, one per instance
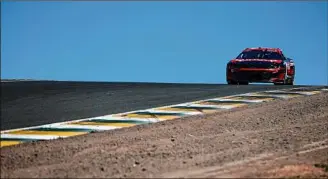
{"x":189,"y":110}
{"x":132,"y":115}
{"x":103,"y":124}
{"x":238,"y":105}
{"x":147,"y":116}
{"x":221,"y":104}
{"x":9,"y":142}
{"x":168,"y":117}
{"x":316,"y":92}
{"x":282,"y":94}
{"x":248,"y":98}
{"x":294,"y":95}
{"x":226,"y":97}
{"x":58,"y":133}
{"x":177,"y":109}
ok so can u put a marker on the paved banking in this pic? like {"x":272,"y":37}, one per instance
{"x":25,"y":104}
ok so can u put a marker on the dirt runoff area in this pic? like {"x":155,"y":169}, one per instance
{"x":282,"y":138}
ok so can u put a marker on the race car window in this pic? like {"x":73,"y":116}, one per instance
{"x":259,"y":54}
{"x":287,"y":60}
{"x":284,"y":58}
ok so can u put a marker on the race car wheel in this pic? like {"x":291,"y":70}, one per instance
{"x":230,"y":82}
{"x":290,"y":82}
{"x":285,"y":83}
{"x":243,"y":83}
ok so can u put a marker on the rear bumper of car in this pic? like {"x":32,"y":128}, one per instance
{"x":275,"y":75}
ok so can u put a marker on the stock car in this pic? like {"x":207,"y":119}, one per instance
{"x":261,"y":65}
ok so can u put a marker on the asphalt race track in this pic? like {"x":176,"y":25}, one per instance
{"x":25,"y":104}
{"x":276,"y":133}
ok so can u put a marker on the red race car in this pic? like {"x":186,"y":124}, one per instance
{"x":261,"y":65}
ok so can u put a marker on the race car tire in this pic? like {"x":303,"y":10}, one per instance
{"x":243,"y":83}
{"x":285,"y":83}
{"x":291,"y":82}
{"x":230,"y":82}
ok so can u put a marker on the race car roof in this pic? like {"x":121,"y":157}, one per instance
{"x":278,"y":50}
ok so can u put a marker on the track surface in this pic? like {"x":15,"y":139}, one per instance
{"x":25,"y":104}
{"x":234,"y":143}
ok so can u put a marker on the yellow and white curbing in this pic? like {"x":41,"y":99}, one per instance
{"x":132,"y":118}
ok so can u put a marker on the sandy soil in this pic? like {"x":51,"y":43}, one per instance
{"x":274,"y":139}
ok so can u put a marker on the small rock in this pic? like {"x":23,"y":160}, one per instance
{"x":143,"y":169}
{"x":137,"y":163}
{"x":102,"y":169}
{"x":172,"y":140}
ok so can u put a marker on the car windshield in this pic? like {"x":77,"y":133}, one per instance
{"x":259,"y":54}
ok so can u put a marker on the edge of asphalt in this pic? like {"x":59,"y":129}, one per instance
{"x":31,"y":103}
{"x":77,"y":120}
{"x":150,"y":109}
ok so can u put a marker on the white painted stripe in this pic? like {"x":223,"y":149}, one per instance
{"x":269,"y":95}
{"x":154,"y":110}
{"x":92,"y":127}
{"x":229,"y":107}
{"x":219,"y":106}
{"x":176,"y":110}
{"x":294,"y":92}
{"x":238,"y":100}
{"x":193,"y":105}
{"x":150,"y":119}
{"x":204,"y":105}
{"x":37,"y":137}
{"x":33,"y":127}
{"x":290,"y":89}
{"x":153,"y":120}
{"x":112,"y":118}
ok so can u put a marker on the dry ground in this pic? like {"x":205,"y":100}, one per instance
{"x":274,"y":139}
